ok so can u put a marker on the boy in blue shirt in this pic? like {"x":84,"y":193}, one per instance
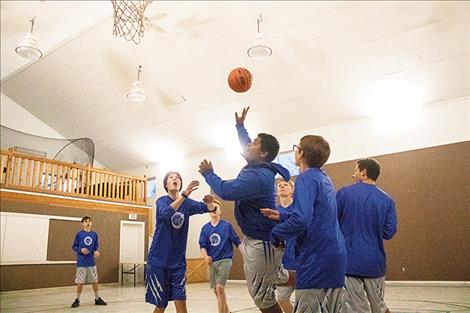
{"x":216,"y":242}
{"x":253,"y":189}
{"x":367,"y":217}
{"x":319,"y":250}
{"x":166,"y":270}
{"x":86,"y":246}
{"x":285,"y":191}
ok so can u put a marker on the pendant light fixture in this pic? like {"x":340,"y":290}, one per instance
{"x":259,"y":50}
{"x":28,"y":48}
{"x":137,"y":93}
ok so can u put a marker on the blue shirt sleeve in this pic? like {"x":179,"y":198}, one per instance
{"x":233,"y":236}
{"x":196,"y":207}
{"x":305,"y":195}
{"x":243,"y":187}
{"x":340,"y":204}
{"x":75,"y":245}
{"x":390,"y":227}
{"x":164,"y":209}
{"x":203,"y":239}
{"x":243,"y":136}
{"x":96,"y":243}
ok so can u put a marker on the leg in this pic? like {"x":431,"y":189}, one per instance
{"x":274,"y":309}
{"x":79,"y":290}
{"x":283,"y":295}
{"x":181,"y":306}
{"x":355,"y":298}
{"x":375,"y":291}
{"x":158,"y":310}
{"x":221,"y":299}
{"x":286,"y":306}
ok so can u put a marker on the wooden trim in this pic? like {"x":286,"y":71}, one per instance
{"x":72,"y":203}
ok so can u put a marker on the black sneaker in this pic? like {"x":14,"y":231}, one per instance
{"x":100,"y":302}
{"x":76,"y":303}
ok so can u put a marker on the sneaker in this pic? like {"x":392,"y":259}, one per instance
{"x":100,"y":302}
{"x":76,"y":303}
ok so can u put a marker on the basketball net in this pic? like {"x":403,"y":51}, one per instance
{"x":129,"y":19}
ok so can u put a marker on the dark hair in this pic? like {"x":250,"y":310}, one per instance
{"x":166,"y":178}
{"x":371,"y":166}
{"x":316,"y":150}
{"x":86,"y":218}
{"x":270,"y":145}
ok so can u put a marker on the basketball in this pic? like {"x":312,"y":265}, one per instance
{"x":240,"y":79}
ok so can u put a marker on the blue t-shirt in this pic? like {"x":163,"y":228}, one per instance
{"x":168,"y":249}
{"x":367,"y":216}
{"x":288,"y":259}
{"x":320,"y":251}
{"x":253,"y":189}
{"x":89,"y":240}
{"x":218,"y":240}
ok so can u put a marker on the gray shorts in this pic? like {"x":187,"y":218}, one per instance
{"x":219,"y":271}
{"x":326,"y":300}
{"x":261,"y":263}
{"x":364,"y":295}
{"x":283,"y":292}
{"x":86,"y":275}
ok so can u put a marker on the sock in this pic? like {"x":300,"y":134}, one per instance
{"x":97,"y":296}
{"x":78,"y":296}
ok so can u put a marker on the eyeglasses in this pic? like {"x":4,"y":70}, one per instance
{"x":296,"y":147}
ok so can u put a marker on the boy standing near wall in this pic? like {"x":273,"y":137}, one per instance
{"x":367,"y":217}
{"x":216,"y":242}
{"x":86,"y":246}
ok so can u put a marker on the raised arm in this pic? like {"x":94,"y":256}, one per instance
{"x":243,"y":136}
{"x":243,"y":187}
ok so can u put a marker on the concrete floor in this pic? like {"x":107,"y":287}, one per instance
{"x":400,"y":298}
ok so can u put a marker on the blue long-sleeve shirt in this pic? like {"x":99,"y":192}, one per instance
{"x":89,"y":240}
{"x":288,"y":258}
{"x":168,"y":249}
{"x":367,"y":216}
{"x":218,"y":240}
{"x":320,"y":251}
{"x":253,"y":189}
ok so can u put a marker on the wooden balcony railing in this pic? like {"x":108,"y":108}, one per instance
{"x":30,"y":173}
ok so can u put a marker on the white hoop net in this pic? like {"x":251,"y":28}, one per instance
{"x":129,"y":19}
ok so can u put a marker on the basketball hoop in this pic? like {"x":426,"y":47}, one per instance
{"x":129,"y":19}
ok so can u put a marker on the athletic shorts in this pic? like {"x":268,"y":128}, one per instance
{"x":165,"y":285}
{"x":219,"y":271}
{"x":86,"y":275}
{"x":261,"y":263}
{"x":326,"y":300}
{"x":364,"y":295}
{"x":284,"y":292}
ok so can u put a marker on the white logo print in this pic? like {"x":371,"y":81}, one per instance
{"x":87,"y":240}
{"x":177,"y":220}
{"x":214,"y":239}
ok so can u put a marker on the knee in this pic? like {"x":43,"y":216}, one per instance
{"x":220,"y":289}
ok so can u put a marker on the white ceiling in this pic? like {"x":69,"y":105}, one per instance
{"x":327,"y":58}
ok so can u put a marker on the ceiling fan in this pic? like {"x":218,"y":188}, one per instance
{"x":150,"y":22}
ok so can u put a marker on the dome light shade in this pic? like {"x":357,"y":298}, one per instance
{"x":137,"y":93}
{"x":28,"y":48}
{"x":259,"y":50}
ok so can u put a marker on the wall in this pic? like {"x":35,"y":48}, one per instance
{"x":440,"y":123}
{"x":106,"y":219}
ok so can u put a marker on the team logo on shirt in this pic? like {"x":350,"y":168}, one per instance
{"x":87,"y":240}
{"x":177,"y":220}
{"x":214,"y":239}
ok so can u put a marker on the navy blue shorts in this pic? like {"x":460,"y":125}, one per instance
{"x":165,"y":285}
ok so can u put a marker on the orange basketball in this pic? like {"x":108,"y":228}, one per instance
{"x":240,"y":79}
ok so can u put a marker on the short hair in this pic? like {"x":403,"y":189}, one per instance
{"x":85,"y":218}
{"x":371,"y":166}
{"x":270,"y":145}
{"x":316,"y":150}
{"x":166,"y":178}
{"x":290,"y":182}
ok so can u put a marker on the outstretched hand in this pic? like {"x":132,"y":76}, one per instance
{"x":208,"y":199}
{"x":205,"y":166}
{"x":271,"y":214}
{"x":241,"y":119}
{"x":191,"y":187}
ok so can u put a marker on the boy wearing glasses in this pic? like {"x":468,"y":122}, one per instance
{"x":253,"y":189}
{"x":216,"y":242}
{"x":320,"y":248}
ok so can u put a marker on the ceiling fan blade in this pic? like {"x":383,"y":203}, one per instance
{"x":156,"y":28}
{"x":158,"y":16}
